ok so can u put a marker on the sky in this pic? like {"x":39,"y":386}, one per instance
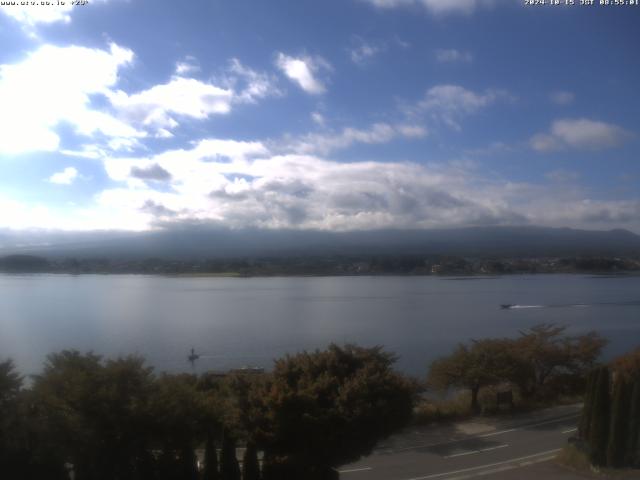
{"x":322,"y":115}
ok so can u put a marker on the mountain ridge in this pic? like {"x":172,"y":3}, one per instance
{"x":205,"y":242}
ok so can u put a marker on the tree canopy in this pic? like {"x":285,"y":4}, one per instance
{"x":479,"y":364}
{"x":117,"y":420}
{"x":531,"y":361}
{"x":330,"y":407}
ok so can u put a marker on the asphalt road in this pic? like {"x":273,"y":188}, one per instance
{"x":444,"y":453}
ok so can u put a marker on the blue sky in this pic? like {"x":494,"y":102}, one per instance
{"x":332,"y":115}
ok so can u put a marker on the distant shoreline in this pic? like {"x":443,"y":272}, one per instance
{"x":443,"y":276}
{"x":332,"y":265}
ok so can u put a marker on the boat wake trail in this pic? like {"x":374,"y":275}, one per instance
{"x":570,"y":305}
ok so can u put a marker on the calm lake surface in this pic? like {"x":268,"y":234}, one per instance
{"x":235,"y":322}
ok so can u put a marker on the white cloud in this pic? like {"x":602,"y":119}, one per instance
{"x":87,"y":151}
{"x":376,"y":134}
{"x":390,"y":3}
{"x":452,"y":6}
{"x":451,"y":55}
{"x":47,"y":88}
{"x":561,"y":97}
{"x":36,"y":218}
{"x":182,"y":97}
{"x":34,"y":14}
{"x":251,"y":187}
{"x":65,"y":177}
{"x":437,"y":7}
{"x":303,"y":71}
{"x":161,"y":107}
{"x":30,"y":16}
{"x":450,"y":103}
{"x":242,"y":184}
{"x":580,"y":133}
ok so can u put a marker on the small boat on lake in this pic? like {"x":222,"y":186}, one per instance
{"x":506,"y":306}
{"x":193,"y":357}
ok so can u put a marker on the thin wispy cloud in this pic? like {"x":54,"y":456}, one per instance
{"x":251,"y":85}
{"x":187,"y":66}
{"x":449,"y":104}
{"x":377,"y":133}
{"x":318,"y":118}
{"x":437,"y":7}
{"x":452,"y":55}
{"x":363,"y":52}
{"x":562,"y":97}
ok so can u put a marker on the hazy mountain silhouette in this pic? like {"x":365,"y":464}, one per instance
{"x":190,"y":242}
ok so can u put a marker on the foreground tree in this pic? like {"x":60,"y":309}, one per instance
{"x":599,"y":423}
{"x":327,"y":408}
{"x":610,"y":423}
{"x":587,"y":408}
{"x":632,"y":453}
{"x":12,"y":449}
{"x":96,"y":414}
{"x":627,"y":367}
{"x":616,"y":448}
{"x":480,"y":364}
{"x":250,"y":465}
{"x":229,"y":467}
{"x":65,"y":395}
{"x":548,"y":354}
{"x":210,"y":460}
{"x":181,"y":414}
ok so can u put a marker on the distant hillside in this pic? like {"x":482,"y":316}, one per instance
{"x":23,"y":264}
{"x":190,"y":243}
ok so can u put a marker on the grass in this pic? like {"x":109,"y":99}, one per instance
{"x":574,"y":459}
{"x":458,"y":407}
{"x":431,"y":410}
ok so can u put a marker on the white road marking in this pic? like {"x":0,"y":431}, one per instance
{"x":471,"y":452}
{"x":485,"y":435}
{"x":505,"y":462}
{"x":492,"y":434}
{"x":504,"y":468}
{"x":571,"y":430}
{"x":493,"y":448}
{"x":353,"y":470}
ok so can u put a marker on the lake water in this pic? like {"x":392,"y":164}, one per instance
{"x":235,"y":322}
